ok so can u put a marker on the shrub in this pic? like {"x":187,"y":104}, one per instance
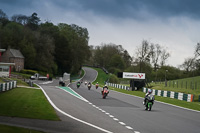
{"x":114,"y":79}
{"x":26,"y":71}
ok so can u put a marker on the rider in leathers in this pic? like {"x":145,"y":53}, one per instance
{"x":148,"y":94}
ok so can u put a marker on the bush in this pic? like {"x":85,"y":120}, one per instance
{"x":31,"y":72}
{"x":114,"y":79}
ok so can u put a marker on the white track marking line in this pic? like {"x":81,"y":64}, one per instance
{"x":115,"y":119}
{"x":129,"y":127}
{"x":111,"y":116}
{"x":89,"y":124}
{"x":122,"y":123}
{"x":103,"y":111}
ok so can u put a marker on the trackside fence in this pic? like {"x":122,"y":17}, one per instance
{"x":118,"y":86}
{"x":171,"y":94}
{"x":8,"y":86}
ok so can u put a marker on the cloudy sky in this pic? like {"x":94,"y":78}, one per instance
{"x":174,"y":24}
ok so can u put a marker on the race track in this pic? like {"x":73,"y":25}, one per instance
{"x":130,"y":111}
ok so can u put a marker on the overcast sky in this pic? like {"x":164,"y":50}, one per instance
{"x":174,"y":24}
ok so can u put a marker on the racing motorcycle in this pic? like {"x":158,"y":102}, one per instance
{"x":78,"y":85}
{"x":97,"y":86}
{"x":105,"y":93}
{"x":149,"y":102}
{"x":89,"y":86}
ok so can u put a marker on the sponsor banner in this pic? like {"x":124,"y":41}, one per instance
{"x":133,"y":75}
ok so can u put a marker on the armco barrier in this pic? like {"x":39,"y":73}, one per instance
{"x":118,"y":86}
{"x":8,"y":86}
{"x":171,"y":94}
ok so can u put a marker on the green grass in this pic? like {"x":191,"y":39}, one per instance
{"x":102,"y":76}
{"x":12,"y":129}
{"x":28,"y":103}
{"x":161,"y":86}
{"x":27,"y":76}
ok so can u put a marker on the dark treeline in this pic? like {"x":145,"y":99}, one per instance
{"x":46,"y":47}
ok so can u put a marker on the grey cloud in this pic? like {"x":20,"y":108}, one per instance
{"x":120,"y":8}
{"x":132,"y":8}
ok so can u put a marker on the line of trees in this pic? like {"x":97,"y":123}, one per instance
{"x":64,"y":48}
{"x":47,"y":47}
{"x":149,"y":58}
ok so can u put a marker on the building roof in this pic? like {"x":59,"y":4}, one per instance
{"x":6,"y":64}
{"x":16,"y":53}
{"x":2,"y":50}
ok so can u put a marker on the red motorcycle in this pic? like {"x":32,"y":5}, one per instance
{"x":105,"y":92}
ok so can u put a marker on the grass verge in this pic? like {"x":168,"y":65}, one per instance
{"x":102,"y":77}
{"x":27,"y":103}
{"x":12,"y":129}
{"x":161,"y":86}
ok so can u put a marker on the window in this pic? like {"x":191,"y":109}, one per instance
{"x":4,"y":68}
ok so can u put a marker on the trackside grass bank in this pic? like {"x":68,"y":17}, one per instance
{"x":189,"y":105}
{"x":27,"y":103}
{"x":102,"y":77}
{"x":12,"y":129}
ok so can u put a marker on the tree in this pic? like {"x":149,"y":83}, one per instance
{"x":164,"y":56}
{"x":116,"y":61}
{"x":155,"y":54}
{"x":197,"y":50}
{"x":22,"y":19}
{"x":143,"y":54}
{"x":3,"y":18}
{"x":33,"y":21}
{"x":188,"y":64}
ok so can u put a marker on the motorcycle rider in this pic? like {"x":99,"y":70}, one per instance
{"x":147,"y":96}
{"x":78,"y":84}
{"x":97,"y":85}
{"x":89,"y":85}
{"x":105,"y":87}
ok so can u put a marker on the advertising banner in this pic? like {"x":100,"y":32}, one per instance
{"x":133,"y":75}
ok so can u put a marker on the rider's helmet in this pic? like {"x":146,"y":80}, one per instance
{"x":149,"y":91}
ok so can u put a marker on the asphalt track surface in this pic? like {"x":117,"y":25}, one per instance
{"x":118,"y":113}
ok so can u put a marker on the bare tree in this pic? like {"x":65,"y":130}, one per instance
{"x":164,"y":56}
{"x":197,"y":50}
{"x":188,"y":64}
{"x":143,"y":53}
{"x":156,"y":51}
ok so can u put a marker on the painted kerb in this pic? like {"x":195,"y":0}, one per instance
{"x":171,"y":94}
{"x":8,"y":86}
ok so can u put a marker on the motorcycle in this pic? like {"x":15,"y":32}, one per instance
{"x":85,"y":83}
{"x":97,"y":86}
{"x":89,"y":86}
{"x":78,"y":85}
{"x":149,"y":103}
{"x":105,"y":93}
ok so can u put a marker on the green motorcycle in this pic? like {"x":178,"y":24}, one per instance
{"x":149,"y":102}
